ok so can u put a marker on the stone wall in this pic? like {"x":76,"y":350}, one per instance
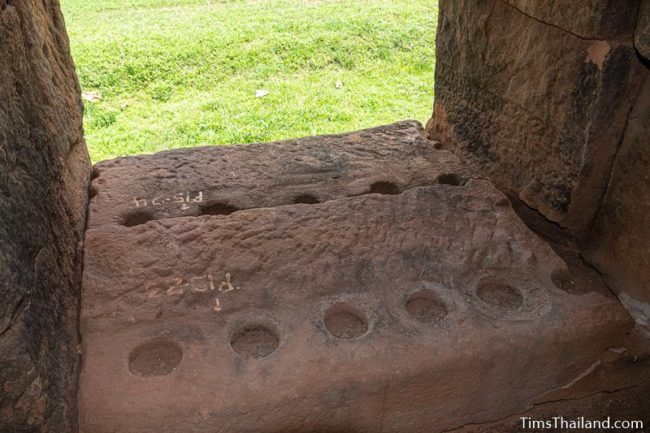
{"x":539,"y":108}
{"x":620,"y":245}
{"x":547,"y":98}
{"x":44,"y":173}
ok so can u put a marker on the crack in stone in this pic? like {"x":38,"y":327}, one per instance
{"x":542,"y":403}
{"x":19,"y":309}
{"x":549,"y":24}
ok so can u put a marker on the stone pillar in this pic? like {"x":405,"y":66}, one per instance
{"x":44,"y":173}
{"x":548,"y":99}
{"x":620,"y":244}
{"x":537,"y":96}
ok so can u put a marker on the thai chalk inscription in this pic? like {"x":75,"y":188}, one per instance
{"x":182,"y":199}
{"x":198,"y":284}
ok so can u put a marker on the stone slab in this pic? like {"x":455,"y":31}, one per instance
{"x":420,"y":311}
{"x":222,"y":179}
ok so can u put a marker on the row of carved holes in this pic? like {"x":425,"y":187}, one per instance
{"x":382,"y":187}
{"x":161,"y":356}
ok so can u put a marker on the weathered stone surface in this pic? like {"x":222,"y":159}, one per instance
{"x":620,"y":245}
{"x":538,"y":109}
{"x":219,"y":180}
{"x":419,"y":311}
{"x":588,"y":19}
{"x":642,"y":31}
{"x":619,"y":405}
{"x":44,"y":172}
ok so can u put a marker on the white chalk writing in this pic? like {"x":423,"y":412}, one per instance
{"x":180,"y":199}
{"x":177,"y":286}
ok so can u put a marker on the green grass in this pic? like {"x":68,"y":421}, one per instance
{"x":184,"y":72}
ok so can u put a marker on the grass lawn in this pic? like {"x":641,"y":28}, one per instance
{"x":178,"y":73}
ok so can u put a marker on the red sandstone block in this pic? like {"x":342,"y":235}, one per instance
{"x":222,"y":179}
{"x":421,"y":309}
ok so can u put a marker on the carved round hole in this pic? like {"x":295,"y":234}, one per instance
{"x":254,"y":341}
{"x":426,"y":307}
{"x":384,"y":188}
{"x":158,"y":357}
{"x":137,"y":218}
{"x":345,"y":321}
{"x":563,"y":280}
{"x":305,"y":199}
{"x":499,"y":294}
{"x":451,"y":179}
{"x":502,"y":202}
{"x":218,"y":209}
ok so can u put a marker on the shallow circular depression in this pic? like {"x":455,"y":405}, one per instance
{"x":137,"y":218}
{"x":158,"y":357}
{"x":426,"y":307}
{"x":345,"y":321}
{"x":499,"y":294}
{"x":92,"y":192}
{"x":218,"y":208}
{"x":254,"y":341}
{"x":452,"y":179}
{"x":305,"y":199}
{"x":564,"y":281}
{"x":384,"y":187}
